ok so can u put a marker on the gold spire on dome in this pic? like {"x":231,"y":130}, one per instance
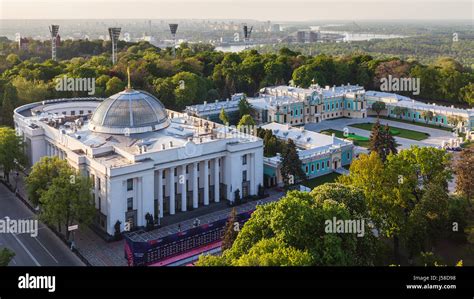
{"x":129,"y":87}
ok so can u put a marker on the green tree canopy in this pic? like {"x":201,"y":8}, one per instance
{"x":12,"y":154}
{"x":291,"y":166}
{"x":6,"y":256}
{"x":67,"y":201}
{"x":41,"y":176}
{"x":292,"y":232}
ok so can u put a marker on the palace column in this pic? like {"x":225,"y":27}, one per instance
{"x":216,"y":180}
{"x":206,"y":182}
{"x":195,"y":186}
{"x":172,"y":191}
{"x":182,"y":182}
{"x":160,"y":192}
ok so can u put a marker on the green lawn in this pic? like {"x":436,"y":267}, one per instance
{"x":417,"y":123}
{"x":358,"y":140}
{"x":404,"y":133}
{"x":328,"y":178}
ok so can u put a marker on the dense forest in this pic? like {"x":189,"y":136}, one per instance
{"x":424,"y":49}
{"x":200,"y":73}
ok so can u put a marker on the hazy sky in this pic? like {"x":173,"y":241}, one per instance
{"x":276,"y":10}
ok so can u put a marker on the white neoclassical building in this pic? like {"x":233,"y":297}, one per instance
{"x":141,"y":157}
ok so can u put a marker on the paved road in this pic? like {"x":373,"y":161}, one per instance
{"x":46,"y":249}
{"x":436,"y":136}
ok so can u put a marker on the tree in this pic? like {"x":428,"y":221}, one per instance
{"x":378,"y":107}
{"x":223,"y":117}
{"x":427,"y":115}
{"x":9,"y":100}
{"x":454,"y":120}
{"x":230,"y":230}
{"x":68,"y":201}
{"x":381,"y":141}
{"x":467,"y":94}
{"x":190,"y":88}
{"x":11,"y":151}
{"x":399,"y":193}
{"x":246,"y":124}
{"x":114,"y":85}
{"x":389,"y":143}
{"x":399,"y":111}
{"x":244,"y":107}
{"x":6,"y":256}
{"x":291,"y":166}
{"x":427,"y":220}
{"x":41,"y":176}
{"x":289,"y":232}
{"x":464,"y":170}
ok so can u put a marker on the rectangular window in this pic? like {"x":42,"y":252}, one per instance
{"x":129,"y":184}
{"x":327,"y":163}
{"x":98,"y":184}
{"x":244,"y":176}
{"x":312,"y":167}
{"x":81,"y":112}
{"x":322,"y":165}
{"x":348,"y":155}
{"x":130,"y":204}
{"x":317,"y":166}
{"x":244,"y":160}
{"x":73,"y":112}
{"x":175,"y":171}
{"x":100,"y":203}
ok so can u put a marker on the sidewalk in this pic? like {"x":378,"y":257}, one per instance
{"x":101,"y":253}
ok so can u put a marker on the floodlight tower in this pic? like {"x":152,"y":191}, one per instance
{"x":173,"y":29}
{"x":247,"y":33}
{"x":114,"y":33}
{"x":54,"y":29}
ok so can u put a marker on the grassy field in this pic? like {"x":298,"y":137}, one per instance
{"x":358,"y":140}
{"x":417,"y":123}
{"x":328,"y":178}
{"x":404,"y":133}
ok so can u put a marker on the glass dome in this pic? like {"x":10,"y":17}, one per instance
{"x":130,"y":111}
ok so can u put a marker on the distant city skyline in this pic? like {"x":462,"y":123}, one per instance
{"x":262,"y":10}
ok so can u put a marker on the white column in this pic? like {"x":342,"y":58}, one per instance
{"x":206,"y":182}
{"x":251,"y":174}
{"x":182,"y":182}
{"x":216,"y":180}
{"x":160,"y":192}
{"x":195,"y":186}
{"x":172,"y":208}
